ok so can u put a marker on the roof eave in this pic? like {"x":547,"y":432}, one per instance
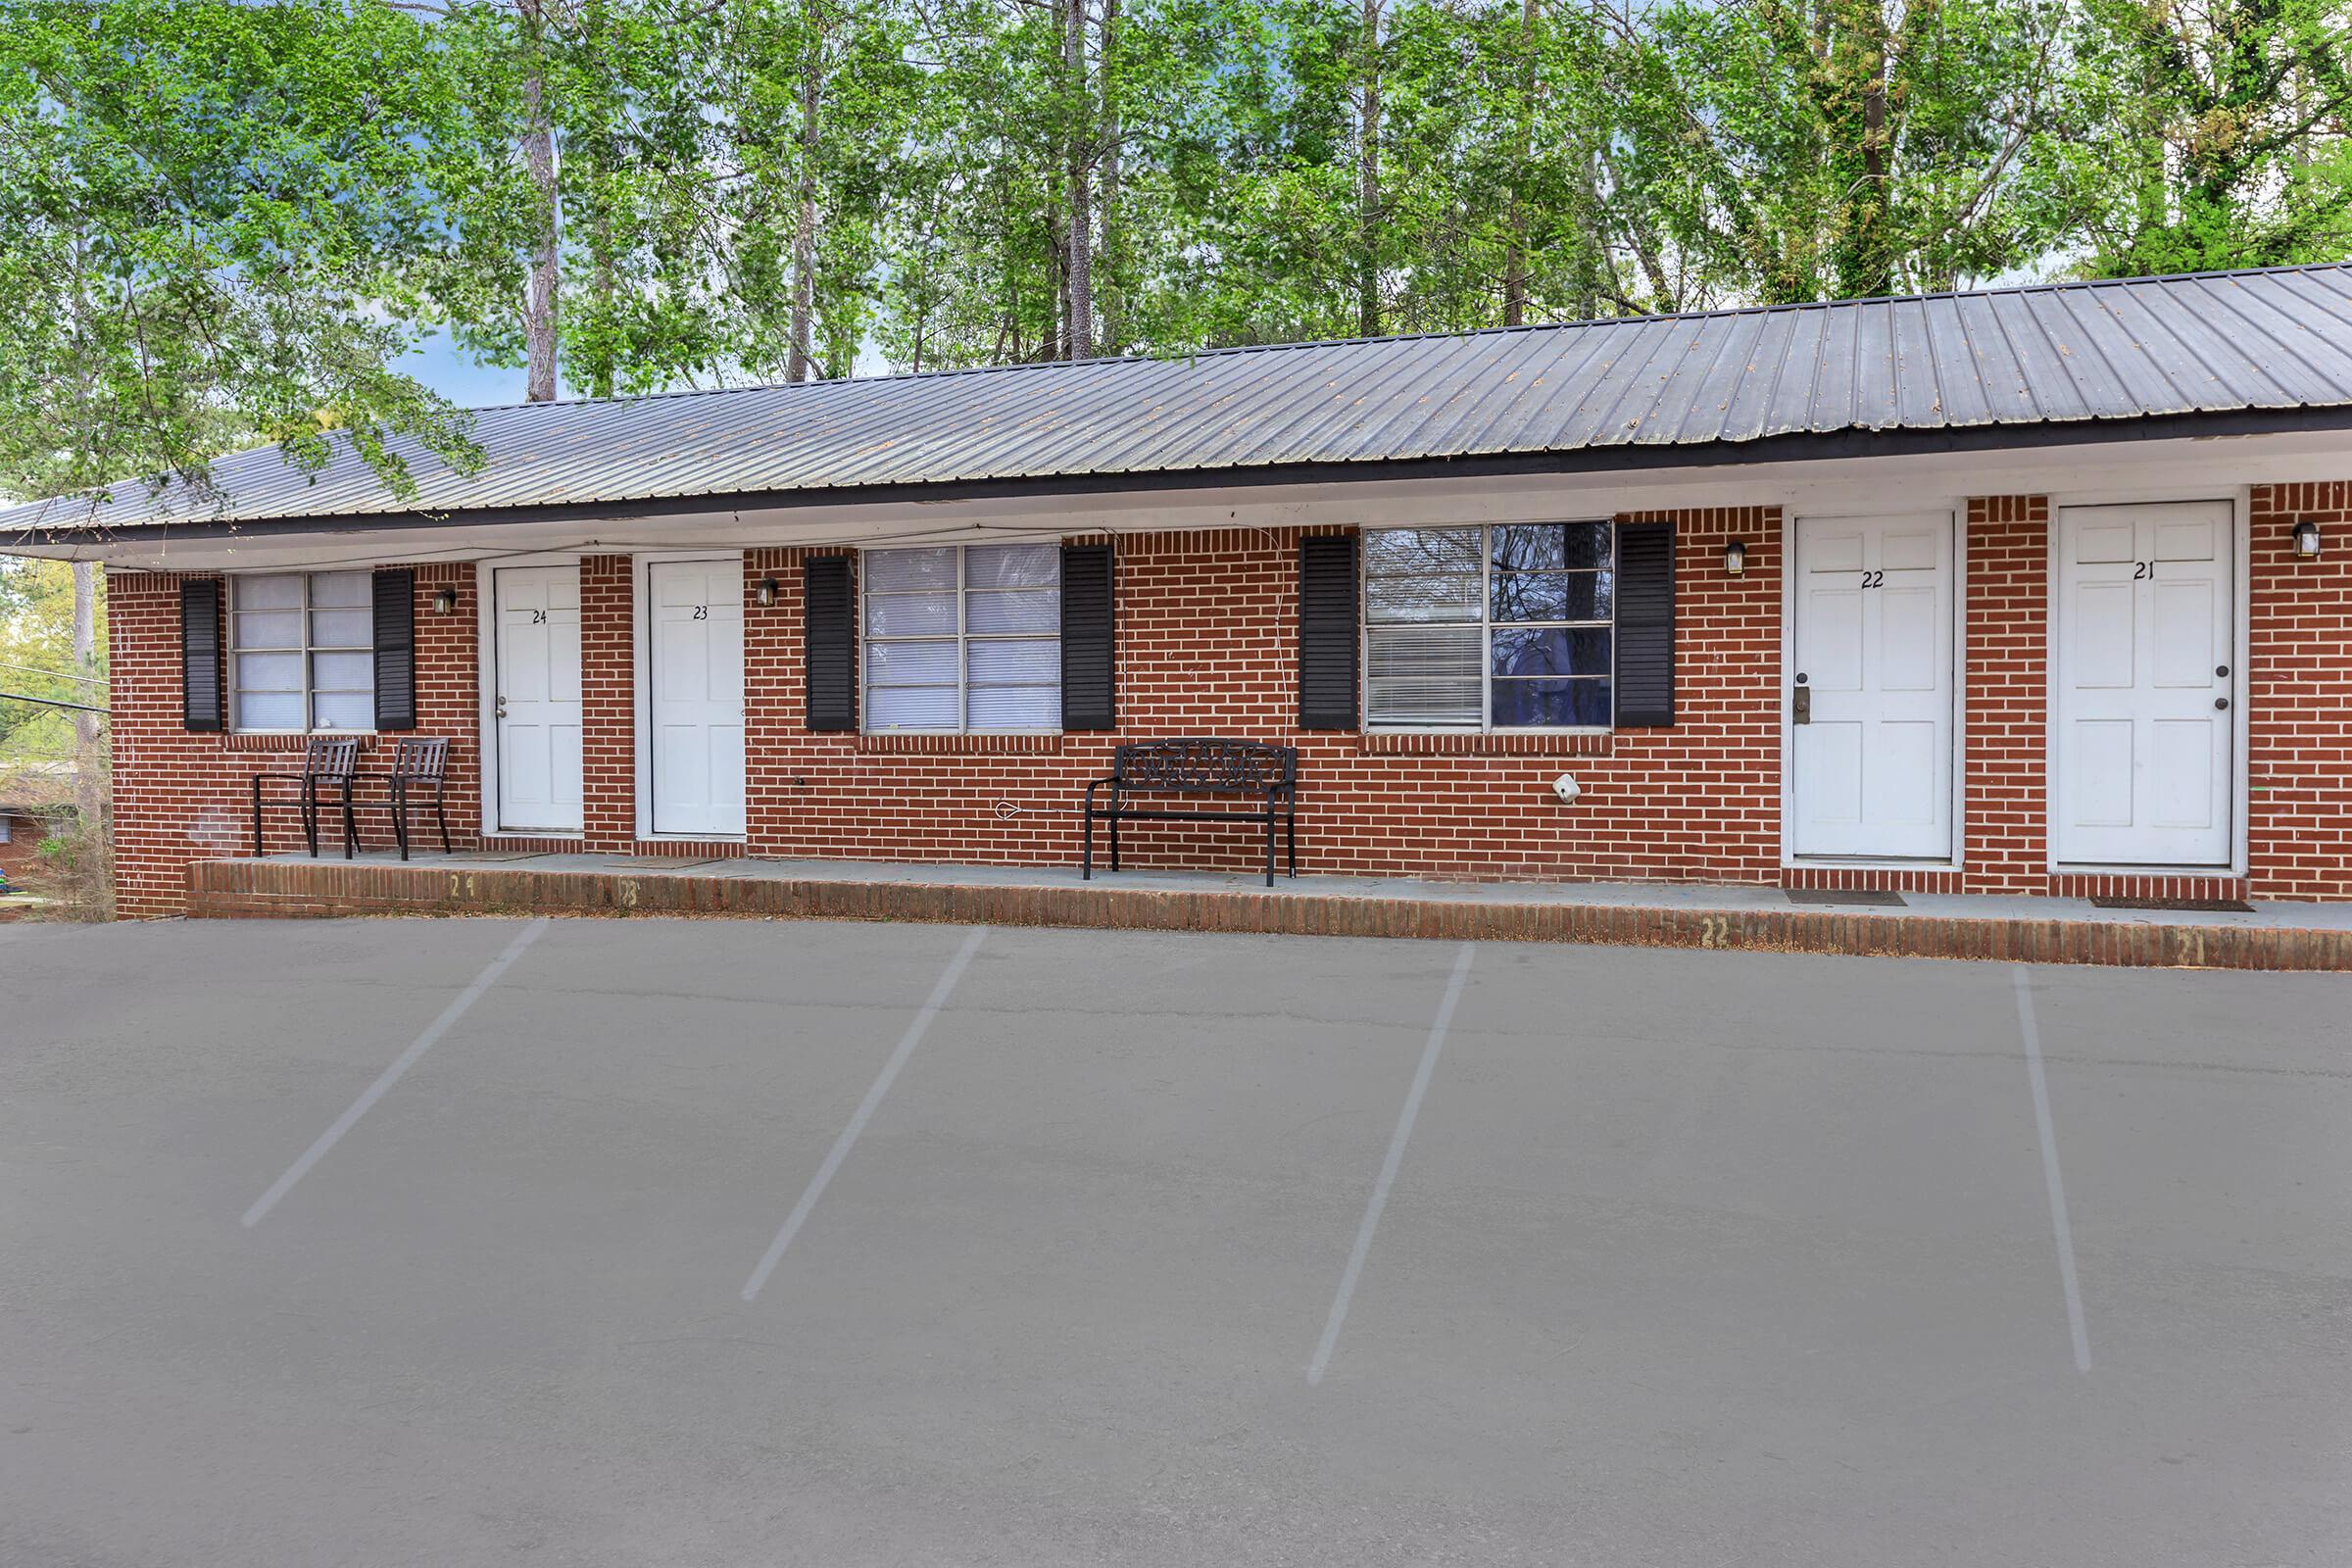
{"x":1798,"y":447}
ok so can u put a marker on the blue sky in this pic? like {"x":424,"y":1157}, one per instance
{"x":439,"y":365}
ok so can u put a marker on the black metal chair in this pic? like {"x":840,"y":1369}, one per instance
{"x":333,"y":762}
{"x":419,"y":763}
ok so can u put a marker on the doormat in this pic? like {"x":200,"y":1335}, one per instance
{"x":1873,"y":898}
{"x":661,"y":862}
{"x":2195,"y":906}
{"x":497,"y":854}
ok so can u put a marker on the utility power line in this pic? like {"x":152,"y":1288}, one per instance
{"x":51,"y":701}
{"x":53,"y":674}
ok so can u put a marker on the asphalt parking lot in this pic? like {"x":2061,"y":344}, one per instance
{"x":736,"y":1242}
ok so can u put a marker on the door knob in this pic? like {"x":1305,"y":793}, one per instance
{"x":2221,"y":702}
{"x":502,"y":706}
{"x":1801,"y":709}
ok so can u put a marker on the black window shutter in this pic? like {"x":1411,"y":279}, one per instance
{"x":1646,"y":625}
{"x":200,"y":654}
{"x":1327,"y":639}
{"x":396,"y":650}
{"x":828,"y":619}
{"x":1088,"y":700}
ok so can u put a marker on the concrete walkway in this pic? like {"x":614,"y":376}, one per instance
{"x":2268,"y":936}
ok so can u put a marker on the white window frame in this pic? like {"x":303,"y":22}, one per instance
{"x":306,"y":648}
{"x":1487,"y":624}
{"x":961,"y":637}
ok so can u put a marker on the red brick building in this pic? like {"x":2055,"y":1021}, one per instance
{"x":2029,"y":590}
{"x":22,"y":827}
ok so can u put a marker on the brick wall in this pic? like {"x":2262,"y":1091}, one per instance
{"x":2005,"y":804}
{"x":21,"y":846}
{"x":608,"y":702}
{"x":2299,"y":697}
{"x":180,"y":797}
{"x":1206,"y":627}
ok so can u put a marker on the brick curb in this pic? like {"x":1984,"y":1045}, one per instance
{"x":248,"y":889}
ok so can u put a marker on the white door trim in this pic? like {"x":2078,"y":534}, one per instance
{"x":1790,"y":512}
{"x":485,"y":680}
{"x":2239,"y":501}
{"x":641,"y":657}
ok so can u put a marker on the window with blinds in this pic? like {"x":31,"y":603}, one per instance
{"x":963,"y":638}
{"x":1503,"y":627}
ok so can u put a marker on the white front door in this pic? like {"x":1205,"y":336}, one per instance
{"x":694,"y":714}
{"x":2146,"y":634}
{"x":537,"y":703}
{"x":1871,"y":742}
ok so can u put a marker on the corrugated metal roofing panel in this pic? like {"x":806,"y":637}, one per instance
{"x":2323,"y":359}
{"x":1837,"y":401}
{"x":2000,"y":370}
{"x":2085,"y":380}
{"x":1530,"y":422}
{"x":2068,"y":352}
{"x":1708,"y":404}
{"x":2201,"y":379}
{"x":1918,"y":391}
{"x":1755,"y":378}
{"x":1583,"y":365}
{"x":1590,"y":419}
{"x":2049,"y":385}
{"x":2115,"y":377}
{"x":1959,"y":370}
{"x":1681,"y":389}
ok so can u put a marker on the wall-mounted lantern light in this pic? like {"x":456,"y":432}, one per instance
{"x":445,"y":602}
{"x":2306,"y":536}
{"x":766,"y":592}
{"x":1734,"y":559}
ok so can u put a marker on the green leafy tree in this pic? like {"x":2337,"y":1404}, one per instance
{"x":2221,"y":134}
{"x":199,"y":205}
{"x":1777,"y":150}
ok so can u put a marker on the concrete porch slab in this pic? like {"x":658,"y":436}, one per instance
{"x":2273,"y":935}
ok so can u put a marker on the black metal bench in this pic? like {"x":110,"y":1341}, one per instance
{"x":1198,"y":765}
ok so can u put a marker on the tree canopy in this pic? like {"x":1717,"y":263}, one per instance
{"x":230,"y":221}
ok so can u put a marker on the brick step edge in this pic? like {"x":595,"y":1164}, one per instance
{"x":246,"y":890}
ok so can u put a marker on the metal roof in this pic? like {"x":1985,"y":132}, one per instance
{"x":2041,"y":355}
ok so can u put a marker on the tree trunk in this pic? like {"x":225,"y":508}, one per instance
{"x":89,"y":783}
{"x":539,"y":156}
{"x":1877,"y":251}
{"x":1514,"y":254}
{"x":1367,"y":177}
{"x":1081,"y":269}
{"x":1056,"y":344}
{"x":804,"y":238}
{"x":1106,"y":300}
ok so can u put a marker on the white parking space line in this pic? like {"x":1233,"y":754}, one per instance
{"x":865,"y":1110}
{"x":391,"y":1075}
{"x":1387,"y":1167}
{"x":2049,"y":1166}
